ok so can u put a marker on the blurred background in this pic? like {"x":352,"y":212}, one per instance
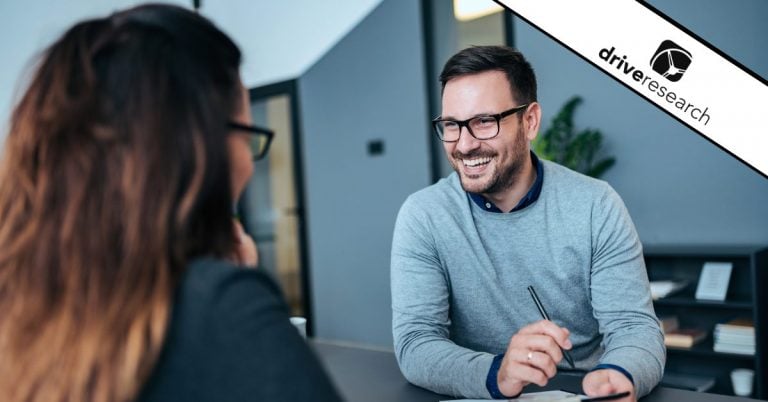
{"x":350,"y":88}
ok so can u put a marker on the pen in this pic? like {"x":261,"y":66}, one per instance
{"x":546,"y":317}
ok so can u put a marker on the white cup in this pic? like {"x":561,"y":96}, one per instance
{"x":742,"y":381}
{"x":301,"y":325}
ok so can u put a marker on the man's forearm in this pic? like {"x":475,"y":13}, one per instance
{"x":442,"y":366}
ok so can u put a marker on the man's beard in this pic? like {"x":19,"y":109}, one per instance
{"x":504,"y":177}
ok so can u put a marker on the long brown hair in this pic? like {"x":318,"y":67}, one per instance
{"x":115,"y":174}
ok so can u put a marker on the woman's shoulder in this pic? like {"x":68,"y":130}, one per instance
{"x":216,"y":290}
{"x":214,"y":271}
{"x":230,"y":339}
{"x":210,"y":276}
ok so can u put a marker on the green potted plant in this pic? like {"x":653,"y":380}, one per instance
{"x":580,"y":150}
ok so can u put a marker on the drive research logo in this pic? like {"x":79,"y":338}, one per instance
{"x":645,"y":82}
{"x":671,"y":60}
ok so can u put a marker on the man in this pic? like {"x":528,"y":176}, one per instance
{"x":466,"y":249}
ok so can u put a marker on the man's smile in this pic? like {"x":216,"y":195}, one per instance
{"x":476,"y":161}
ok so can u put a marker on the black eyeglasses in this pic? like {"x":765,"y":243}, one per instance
{"x":259,"y":140}
{"x":482,"y":127}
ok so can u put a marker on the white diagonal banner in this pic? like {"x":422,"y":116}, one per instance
{"x":665,"y":65}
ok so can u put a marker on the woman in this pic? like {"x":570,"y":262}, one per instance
{"x":122,"y":164}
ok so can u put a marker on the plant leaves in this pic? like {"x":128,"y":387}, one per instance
{"x":601,"y":167}
{"x":561,"y":144}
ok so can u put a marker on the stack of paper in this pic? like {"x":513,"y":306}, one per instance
{"x":544,"y":396}
{"x":554,"y":396}
{"x":735,"y":336}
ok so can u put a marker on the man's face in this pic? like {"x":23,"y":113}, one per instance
{"x":488,"y":166}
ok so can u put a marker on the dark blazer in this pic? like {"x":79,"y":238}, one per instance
{"x":230,"y":339}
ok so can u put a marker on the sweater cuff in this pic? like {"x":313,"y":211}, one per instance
{"x":612,"y":367}
{"x":491,"y":381}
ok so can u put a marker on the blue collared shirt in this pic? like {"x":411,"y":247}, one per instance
{"x":528,"y":199}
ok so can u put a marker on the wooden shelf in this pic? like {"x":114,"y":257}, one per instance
{"x":705,"y":349}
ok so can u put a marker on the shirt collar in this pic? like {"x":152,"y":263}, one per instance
{"x":528,"y":199}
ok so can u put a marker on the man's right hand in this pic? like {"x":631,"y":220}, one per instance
{"x":532,"y":356}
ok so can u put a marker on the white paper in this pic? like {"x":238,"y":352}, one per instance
{"x":545,"y":396}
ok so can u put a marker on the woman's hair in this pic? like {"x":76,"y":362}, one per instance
{"x":115,"y":174}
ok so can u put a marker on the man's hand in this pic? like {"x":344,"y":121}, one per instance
{"x":245,"y":252}
{"x":608,"y":381}
{"x":532,"y":356}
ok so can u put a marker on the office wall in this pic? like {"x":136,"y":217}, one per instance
{"x":27,"y":28}
{"x":280,"y":39}
{"x":370,"y":86}
{"x":678,"y":186}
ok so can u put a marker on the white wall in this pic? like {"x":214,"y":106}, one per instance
{"x":280,"y":39}
{"x":28,"y":27}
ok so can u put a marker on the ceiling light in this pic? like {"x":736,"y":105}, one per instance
{"x":466,"y":10}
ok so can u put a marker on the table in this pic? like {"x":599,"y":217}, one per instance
{"x":367,"y":375}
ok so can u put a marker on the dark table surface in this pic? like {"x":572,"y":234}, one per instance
{"x":367,"y":375}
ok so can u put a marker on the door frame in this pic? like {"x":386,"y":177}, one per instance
{"x":290,"y":88}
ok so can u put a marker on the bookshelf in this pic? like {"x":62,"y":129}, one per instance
{"x":689,"y":301}
{"x":704,"y":349}
{"x":747,"y":297}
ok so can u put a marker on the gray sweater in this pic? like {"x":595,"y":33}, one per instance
{"x":459,"y":278}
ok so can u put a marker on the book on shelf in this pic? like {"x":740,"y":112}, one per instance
{"x":687,"y":382}
{"x":742,"y":325}
{"x":684,"y":337}
{"x":738,"y":339}
{"x":735,"y":336}
{"x":661,"y":289}
{"x":669,"y":323}
{"x":734,"y":348}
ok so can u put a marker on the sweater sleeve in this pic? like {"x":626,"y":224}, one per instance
{"x":420,"y":315}
{"x":621,"y":297}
